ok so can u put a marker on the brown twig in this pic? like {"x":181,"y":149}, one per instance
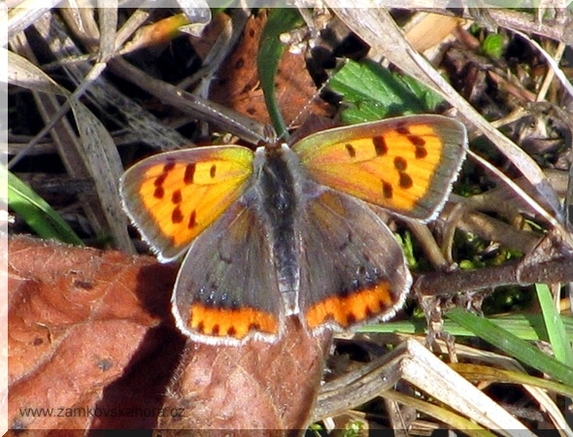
{"x":460,"y":281}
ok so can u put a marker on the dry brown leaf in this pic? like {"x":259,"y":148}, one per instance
{"x":237,"y":84}
{"x":258,"y":386}
{"x":79,"y":320}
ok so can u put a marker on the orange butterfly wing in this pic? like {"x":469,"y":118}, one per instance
{"x":406,"y":164}
{"x":172,"y":197}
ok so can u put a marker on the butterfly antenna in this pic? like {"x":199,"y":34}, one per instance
{"x":305,"y":109}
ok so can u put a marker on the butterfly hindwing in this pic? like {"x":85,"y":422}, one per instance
{"x":352,"y":268}
{"x":227,"y":288}
{"x":405,"y":164}
{"x":174,"y":196}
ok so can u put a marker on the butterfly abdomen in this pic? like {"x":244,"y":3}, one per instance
{"x":279,"y":204}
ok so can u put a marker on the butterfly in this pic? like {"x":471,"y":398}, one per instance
{"x":292,"y":231}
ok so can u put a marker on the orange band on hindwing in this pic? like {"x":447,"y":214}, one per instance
{"x":234,"y":323}
{"x":354,"y":308}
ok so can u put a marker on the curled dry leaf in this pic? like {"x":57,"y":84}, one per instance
{"x":81,"y":321}
{"x":258,"y":386}
{"x":92,"y":343}
{"x":237,"y":85}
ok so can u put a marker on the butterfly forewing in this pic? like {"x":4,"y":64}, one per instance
{"x":406,"y":164}
{"x":173,"y":197}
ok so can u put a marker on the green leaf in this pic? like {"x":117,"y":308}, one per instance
{"x":430,"y":99}
{"x":512,"y":345}
{"x":36,"y":212}
{"x":270,"y":52}
{"x":371,"y":92}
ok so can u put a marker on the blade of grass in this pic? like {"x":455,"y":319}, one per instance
{"x":556,"y":333}
{"x":36,"y":212}
{"x":512,"y":345}
{"x":529,"y":327}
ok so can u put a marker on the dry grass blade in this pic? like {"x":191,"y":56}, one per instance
{"x":22,"y":73}
{"x":103,"y":93}
{"x":518,"y":190}
{"x":559,"y":29}
{"x":555,"y":69}
{"x":234,"y":122}
{"x":444,"y":414}
{"x":134,"y":22}
{"x":492,"y":229}
{"x":538,"y":388}
{"x":230,"y":32}
{"x":108,"y":26}
{"x":494,"y":361}
{"x":356,"y":388}
{"x":414,"y":363}
{"x":89,"y":159}
{"x":105,"y":170}
{"x":22,"y":16}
